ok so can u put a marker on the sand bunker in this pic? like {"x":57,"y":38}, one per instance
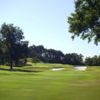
{"x":57,"y":69}
{"x":81,"y":68}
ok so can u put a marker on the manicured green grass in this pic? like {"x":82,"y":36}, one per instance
{"x":45,"y":84}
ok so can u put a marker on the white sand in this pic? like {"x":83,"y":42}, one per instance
{"x":81,"y":68}
{"x":57,"y":69}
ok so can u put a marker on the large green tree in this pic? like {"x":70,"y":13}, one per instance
{"x":85,"y":21}
{"x":93,"y":61}
{"x":11,"y":37}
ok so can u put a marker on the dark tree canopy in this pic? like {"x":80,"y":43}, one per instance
{"x":41,"y":54}
{"x":93,"y":61}
{"x":85,"y":21}
{"x":11,"y":43}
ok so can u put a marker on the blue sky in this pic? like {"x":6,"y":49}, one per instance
{"x":44,"y":22}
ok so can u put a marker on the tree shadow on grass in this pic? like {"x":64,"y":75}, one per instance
{"x":20,"y":70}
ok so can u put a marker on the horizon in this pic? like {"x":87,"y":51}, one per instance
{"x":45,"y":23}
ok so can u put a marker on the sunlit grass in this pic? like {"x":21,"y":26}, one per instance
{"x":46,"y":84}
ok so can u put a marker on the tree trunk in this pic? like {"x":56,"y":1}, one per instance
{"x":11,"y":64}
{"x":10,"y":60}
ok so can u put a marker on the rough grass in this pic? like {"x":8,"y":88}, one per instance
{"x":45,"y":84}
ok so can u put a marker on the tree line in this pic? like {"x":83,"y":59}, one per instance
{"x":14,"y":51}
{"x":93,"y":61}
{"x":41,"y":54}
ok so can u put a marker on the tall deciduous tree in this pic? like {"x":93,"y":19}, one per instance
{"x":11,"y":36}
{"x":85,"y":21}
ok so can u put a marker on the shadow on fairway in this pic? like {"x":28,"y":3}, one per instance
{"x":19,"y":70}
